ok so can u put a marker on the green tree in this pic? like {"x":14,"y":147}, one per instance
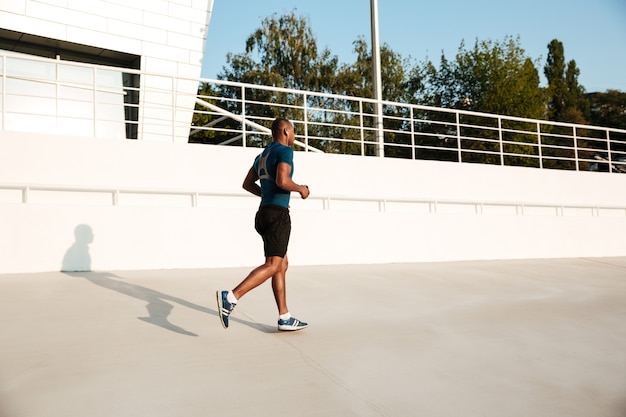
{"x":440,"y":89}
{"x":608,"y":109}
{"x":283,"y":53}
{"x":566,"y":97}
{"x":396,"y":73}
{"x":493,"y":77}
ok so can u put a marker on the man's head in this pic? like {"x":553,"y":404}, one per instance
{"x":282,"y":131}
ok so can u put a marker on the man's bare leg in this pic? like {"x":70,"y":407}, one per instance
{"x":258,"y":275}
{"x":279,"y":287}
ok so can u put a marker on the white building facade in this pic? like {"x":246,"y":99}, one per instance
{"x":155,"y":36}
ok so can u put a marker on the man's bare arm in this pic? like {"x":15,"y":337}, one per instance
{"x":249,"y":183}
{"x":286,"y":183}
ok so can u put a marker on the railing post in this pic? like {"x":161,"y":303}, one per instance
{"x":576,"y":148}
{"x":57,"y":94}
{"x":243,"y":116}
{"x":4,"y":90}
{"x":500,"y":140}
{"x":608,"y":149}
{"x":458,"y":135}
{"x":305,"y":118}
{"x":174,"y":92}
{"x":94,"y":91}
{"x":143,"y":103}
{"x":540,"y":145}
{"x":411,"y":116}
{"x":362,"y":127}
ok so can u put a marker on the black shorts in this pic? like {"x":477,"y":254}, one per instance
{"x":274,"y":225}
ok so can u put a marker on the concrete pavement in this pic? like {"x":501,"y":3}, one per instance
{"x":480,"y":338}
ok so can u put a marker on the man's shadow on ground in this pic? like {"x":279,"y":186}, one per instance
{"x":159,"y":305}
{"x":77,"y":263}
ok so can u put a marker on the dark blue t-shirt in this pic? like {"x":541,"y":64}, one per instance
{"x":265,"y":166}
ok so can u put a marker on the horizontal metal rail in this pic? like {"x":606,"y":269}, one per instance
{"x":383,"y":204}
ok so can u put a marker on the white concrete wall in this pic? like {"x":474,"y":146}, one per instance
{"x":353,"y":216}
{"x":169,"y":35}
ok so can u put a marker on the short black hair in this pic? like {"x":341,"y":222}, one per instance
{"x":278,"y":125}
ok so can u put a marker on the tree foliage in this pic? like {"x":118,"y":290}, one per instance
{"x":608,"y":109}
{"x":396,"y":74}
{"x":493,"y":77}
{"x":566,"y":97}
{"x":283,"y":52}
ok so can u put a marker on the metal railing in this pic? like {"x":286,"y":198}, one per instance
{"x":91,"y":100}
{"x":347,"y":125}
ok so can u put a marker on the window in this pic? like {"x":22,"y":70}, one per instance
{"x":63,"y":97}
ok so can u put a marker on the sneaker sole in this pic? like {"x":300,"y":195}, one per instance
{"x":291,"y":329}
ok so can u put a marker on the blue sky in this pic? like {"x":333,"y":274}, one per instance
{"x":593,"y":33}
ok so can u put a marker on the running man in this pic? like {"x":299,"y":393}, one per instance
{"x":274,"y":169}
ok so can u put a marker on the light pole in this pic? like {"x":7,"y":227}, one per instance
{"x":377,"y":89}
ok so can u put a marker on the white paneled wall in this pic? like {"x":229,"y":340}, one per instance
{"x":121,"y":204}
{"x":169,"y":35}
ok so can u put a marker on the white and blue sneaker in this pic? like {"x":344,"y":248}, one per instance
{"x":224,"y":308}
{"x":291,"y":325}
